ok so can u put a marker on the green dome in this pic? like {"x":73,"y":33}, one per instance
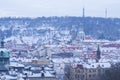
{"x":4,"y":53}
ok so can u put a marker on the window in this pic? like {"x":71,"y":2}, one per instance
{"x":83,"y":76}
{"x":89,"y":70}
{"x":1,"y":53}
{"x":102,"y":65}
{"x":94,"y":70}
{"x":76,"y":76}
{"x":78,"y":71}
{"x":1,"y":61}
{"x":83,"y":70}
{"x":94,"y":75}
{"x":89,"y":76}
{"x":99,"y":71}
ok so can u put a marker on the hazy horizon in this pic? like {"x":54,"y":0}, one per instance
{"x":47,"y":8}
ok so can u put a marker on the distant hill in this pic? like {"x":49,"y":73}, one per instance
{"x":100,"y":28}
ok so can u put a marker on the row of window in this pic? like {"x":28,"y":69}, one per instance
{"x":4,"y":61}
{"x":85,"y":76}
{"x":90,"y":70}
{"x":81,"y":71}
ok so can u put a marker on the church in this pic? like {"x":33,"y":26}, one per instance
{"x":4,"y":58}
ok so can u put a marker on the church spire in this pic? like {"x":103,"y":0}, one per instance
{"x":98,"y":54}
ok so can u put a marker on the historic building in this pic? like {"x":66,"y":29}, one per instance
{"x":80,"y":35}
{"x":88,"y":70}
{"x":4,"y":58}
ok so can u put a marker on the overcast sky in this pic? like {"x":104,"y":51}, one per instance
{"x":38,"y":8}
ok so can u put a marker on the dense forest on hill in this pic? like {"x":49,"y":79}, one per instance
{"x":97,"y":27}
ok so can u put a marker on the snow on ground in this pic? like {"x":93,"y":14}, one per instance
{"x":23,"y":40}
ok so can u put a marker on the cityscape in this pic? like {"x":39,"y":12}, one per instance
{"x":60,"y":47}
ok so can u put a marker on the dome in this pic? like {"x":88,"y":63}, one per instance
{"x":81,"y":32}
{"x":81,"y":35}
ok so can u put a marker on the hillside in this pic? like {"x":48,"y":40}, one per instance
{"x":100,"y":28}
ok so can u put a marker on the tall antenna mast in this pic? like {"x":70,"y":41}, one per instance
{"x":106,"y":13}
{"x":83,"y":12}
